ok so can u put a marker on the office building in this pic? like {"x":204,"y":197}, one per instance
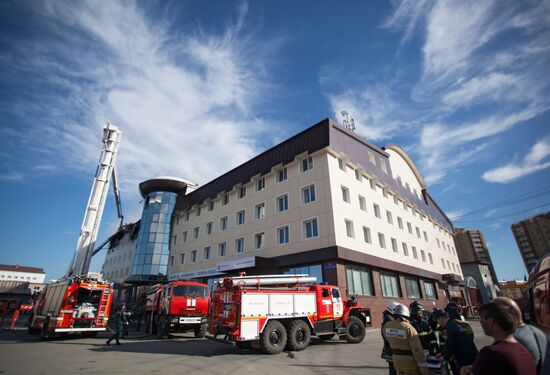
{"x":533,"y":238}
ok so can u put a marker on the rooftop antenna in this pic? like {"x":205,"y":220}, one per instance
{"x":349,"y":123}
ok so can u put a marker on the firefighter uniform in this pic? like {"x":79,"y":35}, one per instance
{"x":408,"y":355}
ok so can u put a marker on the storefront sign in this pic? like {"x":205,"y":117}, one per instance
{"x":236,"y":264}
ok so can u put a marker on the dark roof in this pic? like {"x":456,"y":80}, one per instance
{"x":18,"y":268}
{"x":323,"y":134}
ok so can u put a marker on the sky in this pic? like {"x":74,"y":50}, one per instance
{"x":199,"y":87}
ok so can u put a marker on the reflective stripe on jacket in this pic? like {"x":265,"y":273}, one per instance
{"x":408,"y":354}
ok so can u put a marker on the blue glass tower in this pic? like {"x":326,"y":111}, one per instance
{"x":150,"y":262}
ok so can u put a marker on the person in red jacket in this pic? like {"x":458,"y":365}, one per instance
{"x":505,"y":356}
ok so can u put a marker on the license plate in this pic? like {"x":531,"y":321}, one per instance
{"x":190,"y":320}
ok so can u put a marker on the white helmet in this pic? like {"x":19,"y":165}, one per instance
{"x":391,"y":307}
{"x":402,"y":310}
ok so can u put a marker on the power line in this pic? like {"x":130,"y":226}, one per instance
{"x":504,"y":216}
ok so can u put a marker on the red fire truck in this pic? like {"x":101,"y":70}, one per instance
{"x":277,"y":311}
{"x":178,"y":306}
{"x":72,"y":305}
{"x":539,"y":294}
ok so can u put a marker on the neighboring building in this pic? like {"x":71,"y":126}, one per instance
{"x":326,"y":203}
{"x":475,"y":261}
{"x":533,"y":238}
{"x":120,"y":253}
{"x":16,"y":272}
{"x":516,"y":290}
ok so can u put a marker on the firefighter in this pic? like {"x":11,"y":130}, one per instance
{"x":408,"y":355}
{"x":425,"y":332}
{"x":387,"y":353}
{"x":455,"y":312}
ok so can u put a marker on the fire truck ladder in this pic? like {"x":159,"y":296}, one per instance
{"x":96,"y":202}
{"x":267,"y":280}
{"x":103,"y":303}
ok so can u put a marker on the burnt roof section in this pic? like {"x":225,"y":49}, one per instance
{"x":170,"y":184}
{"x":323,"y":134}
{"x":18,"y":268}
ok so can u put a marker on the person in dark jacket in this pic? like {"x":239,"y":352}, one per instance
{"x":387,"y":353}
{"x":459,"y":349}
{"x":425,"y":332}
{"x":119,"y":319}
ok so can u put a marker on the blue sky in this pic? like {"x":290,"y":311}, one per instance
{"x":199,"y":87}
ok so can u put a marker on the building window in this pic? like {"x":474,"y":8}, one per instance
{"x":438,"y":243}
{"x":358,"y":175}
{"x":417,"y":232}
{"x":345,"y":194}
{"x":405,"y":249}
{"x":372,"y":184}
{"x":389,"y":217}
{"x":222,"y":249}
{"x":210,"y":205}
{"x":184,"y":237}
{"x":310,"y":228}
{"x":349,"y":229}
{"x":282,"y":203}
{"x":240,"y":217}
{"x":198,"y":211}
{"x":225,"y":199}
{"x":260,"y":184}
{"x":431,"y":293}
{"x":442,"y":262}
{"x":308,"y":193}
{"x":359,"y":280}
{"x":307,"y":164}
{"x":242,"y":193}
{"x":425,"y":236}
{"x":413,"y":287}
{"x":382,"y":240}
{"x":430,"y":258}
{"x":362,"y":203}
{"x":394,"y":245}
{"x":239,"y":245}
{"x":259,"y":240}
{"x":314,"y":270}
{"x":366,"y":235}
{"x":415,"y":254}
{"x":371,"y":157}
{"x":282,"y":235}
{"x":260,"y":210}
{"x":383,"y":165}
{"x":223,"y":223}
{"x":423,"y":255}
{"x":376,"y":210}
{"x":206,"y":253}
{"x":410,"y":228}
{"x":174,"y":238}
{"x":342,"y":164}
{"x":182,"y":258}
{"x":448,"y":265}
{"x":196,"y":232}
{"x":390,"y":284}
{"x":171,"y":262}
{"x":400,"y":222}
{"x":193,"y":256}
{"x":282,"y":175}
{"x":209,"y":228}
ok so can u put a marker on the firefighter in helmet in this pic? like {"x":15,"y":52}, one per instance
{"x":425,"y":332}
{"x":387,"y":354}
{"x":455,"y":312}
{"x":408,"y":355}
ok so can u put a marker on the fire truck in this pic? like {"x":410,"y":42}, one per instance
{"x":73,"y":305}
{"x":275,"y":312}
{"x":177,"y":306}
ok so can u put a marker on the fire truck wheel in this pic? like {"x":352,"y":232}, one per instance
{"x":45,"y":331}
{"x":200,"y":331}
{"x":299,"y":335}
{"x":355,"y":330}
{"x":273,"y":339}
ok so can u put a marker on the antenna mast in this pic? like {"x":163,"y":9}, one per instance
{"x":348,"y":122}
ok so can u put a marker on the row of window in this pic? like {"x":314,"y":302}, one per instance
{"x":367,"y":237}
{"x":310,"y":230}
{"x":281,"y":205}
{"x":117,"y":273}
{"x":260,"y":184}
{"x":119,"y":258}
{"x":359,"y":281}
{"x":3,"y":277}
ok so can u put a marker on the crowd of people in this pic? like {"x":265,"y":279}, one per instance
{"x":419,"y":342}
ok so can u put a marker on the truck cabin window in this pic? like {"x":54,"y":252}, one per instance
{"x":190,"y":291}
{"x":324,"y":293}
{"x":335,"y":293}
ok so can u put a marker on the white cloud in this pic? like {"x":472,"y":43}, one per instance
{"x":533,"y":162}
{"x":44,"y":168}
{"x":184,"y":101}
{"x":455,"y":214}
{"x":16,"y":177}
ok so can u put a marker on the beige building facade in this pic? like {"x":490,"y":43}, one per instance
{"x":327,"y":203}
{"x":533,"y":238}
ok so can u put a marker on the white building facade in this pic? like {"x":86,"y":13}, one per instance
{"x":327,"y":203}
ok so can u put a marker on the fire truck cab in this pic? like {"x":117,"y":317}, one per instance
{"x":177,"y":306}
{"x":72,"y":305}
{"x":275,"y":312}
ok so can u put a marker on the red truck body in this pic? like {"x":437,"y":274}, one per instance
{"x":177,"y":306}
{"x":73,"y":305}
{"x":277,"y":311}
